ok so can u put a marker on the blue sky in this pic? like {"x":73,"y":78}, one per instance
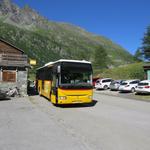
{"x":123,"y":21}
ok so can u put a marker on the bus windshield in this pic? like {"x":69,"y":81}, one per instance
{"x":76,"y":78}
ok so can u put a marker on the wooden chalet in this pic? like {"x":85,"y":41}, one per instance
{"x":13,"y":67}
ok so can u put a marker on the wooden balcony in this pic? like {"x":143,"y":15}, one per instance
{"x":13,"y":60}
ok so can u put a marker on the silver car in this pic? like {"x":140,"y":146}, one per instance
{"x":114,"y":85}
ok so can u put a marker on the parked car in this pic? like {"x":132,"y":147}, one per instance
{"x":103,"y":83}
{"x":128,"y":85}
{"x":114,"y":85}
{"x":143,"y":87}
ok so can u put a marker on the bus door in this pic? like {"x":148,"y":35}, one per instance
{"x":54,"y":89}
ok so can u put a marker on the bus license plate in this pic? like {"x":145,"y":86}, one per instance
{"x":77,"y":101}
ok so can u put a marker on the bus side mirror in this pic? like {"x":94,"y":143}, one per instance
{"x":58,"y":69}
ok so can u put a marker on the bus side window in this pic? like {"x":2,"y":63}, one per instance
{"x":54,"y":85}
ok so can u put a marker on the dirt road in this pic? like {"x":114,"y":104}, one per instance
{"x":109,"y":123}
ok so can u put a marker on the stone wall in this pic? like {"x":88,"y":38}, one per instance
{"x":21,"y":83}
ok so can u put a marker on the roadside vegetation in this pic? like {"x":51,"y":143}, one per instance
{"x":131,"y":71}
{"x":143,"y":52}
{"x":144,"y":97}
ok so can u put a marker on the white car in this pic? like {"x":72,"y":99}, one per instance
{"x":143,"y":87}
{"x":103,"y":83}
{"x":129,"y":85}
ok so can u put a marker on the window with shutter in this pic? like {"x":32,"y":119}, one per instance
{"x":9,"y":76}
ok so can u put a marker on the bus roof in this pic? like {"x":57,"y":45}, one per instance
{"x":65,"y":60}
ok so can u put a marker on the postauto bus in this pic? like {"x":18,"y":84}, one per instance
{"x":65,"y":81}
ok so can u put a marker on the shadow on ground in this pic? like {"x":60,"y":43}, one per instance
{"x":92,"y":104}
{"x":4,"y":98}
{"x":124,"y":92}
{"x":32,"y":91}
{"x":143,"y":94}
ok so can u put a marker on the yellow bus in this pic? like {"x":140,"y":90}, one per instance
{"x":65,"y":81}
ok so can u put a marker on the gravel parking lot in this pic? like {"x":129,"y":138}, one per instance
{"x":109,"y":123}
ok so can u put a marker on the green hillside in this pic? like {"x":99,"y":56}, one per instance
{"x":47,"y":41}
{"x":130,"y":71}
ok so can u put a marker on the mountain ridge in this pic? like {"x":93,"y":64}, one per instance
{"x":59,"y":40}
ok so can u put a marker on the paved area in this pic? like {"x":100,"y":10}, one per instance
{"x":25,"y":127}
{"x":109,"y":123}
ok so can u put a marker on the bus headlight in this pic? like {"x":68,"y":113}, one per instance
{"x":62,"y":97}
{"x":90,"y":96}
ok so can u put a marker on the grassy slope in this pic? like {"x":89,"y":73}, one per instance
{"x":131,"y":71}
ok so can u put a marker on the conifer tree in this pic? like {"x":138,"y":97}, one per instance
{"x":100,"y":57}
{"x":146,"y":44}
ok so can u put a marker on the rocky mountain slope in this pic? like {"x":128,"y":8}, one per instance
{"x":48,"y":41}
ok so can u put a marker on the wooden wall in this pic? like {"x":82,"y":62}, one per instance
{"x":6,"y":48}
